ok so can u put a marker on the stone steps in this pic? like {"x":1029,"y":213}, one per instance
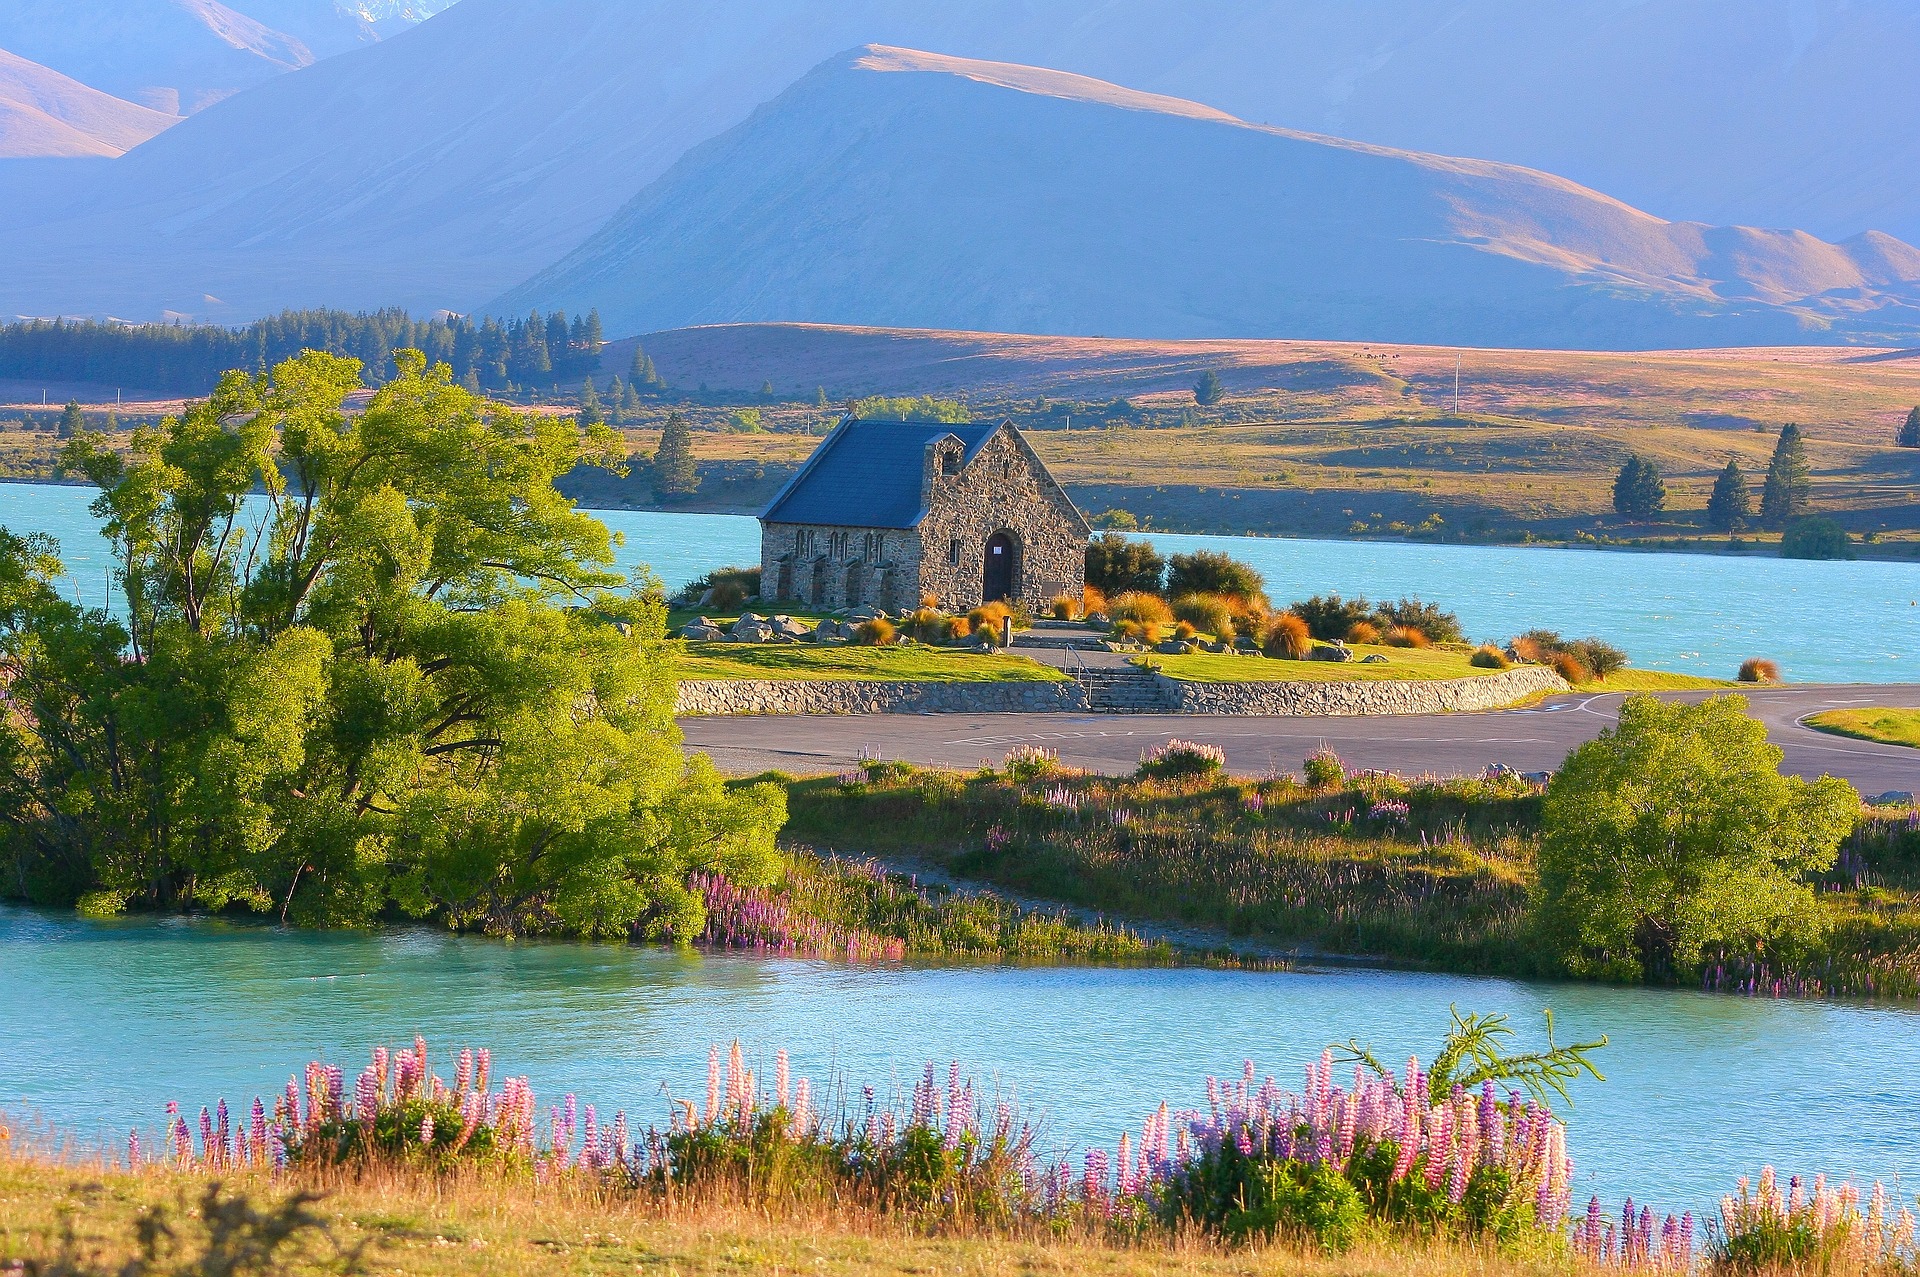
{"x":1121,"y":691}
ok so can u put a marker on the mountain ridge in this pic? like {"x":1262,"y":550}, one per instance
{"x":825,"y":206}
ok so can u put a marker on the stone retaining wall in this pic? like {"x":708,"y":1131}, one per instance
{"x":1397,"y":696}
{"x":795,"y":696}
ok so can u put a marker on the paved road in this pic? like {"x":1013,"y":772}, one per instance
{"x":1443,"y":744}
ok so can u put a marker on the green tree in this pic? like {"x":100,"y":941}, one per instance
{"x":378,"y":663}
{"x":1909,"y":436}
{"x":1116,"y":564}
{"x":820,"y":397}
{"x":1816,"y":537}
{"x":1729,"y":505}
{"x":766,"y":389}
{"x":1213,"y":572}
{"x":72,"y":421}
{"x":1788,"y":489}
{"x":1208,"y":391}
{"x":1638,"y":490}
{"x":629,"y":405}
{"x":1674,"y":831}
{"x":591,"y":413}
{"x":675,"y":477}
{"x":642,"y":374}
{"x":616,"y":402}
{"x":910,"y":408}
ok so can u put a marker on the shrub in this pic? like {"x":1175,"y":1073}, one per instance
{"x":1030,"y":762}
{"x":1116,"y":565}
{"x":1416,"y":613}
{"x":1758,"y":669}
{"x":1602,"y":658}
{"x":1674,"y":831}
{"x":1136,"y":605}
{"x":1208,"y":613}
{"x":988,"y":616}
{"x":1406,"y":636}
{"x":1816,"y":538}
{"x":1182,"y":758}
{"x":1537,"y":646}
{"x":959,"y":628}
{"x":1363,"y":632}
{"x":1323,"y":769}
{"x":1330,"y":616}
{"x":1569,"y":667}
{"x":877,"y":632}
{"x":1184,"y":631}
{"x":1287,"y":638}
{"x":730,"y":587}
{"x":1489,"y":657}
{"x":1062,"y":607}
{"x":930,"y":626}
{"x":1596,"y":658}
{"x":1212,"y":572}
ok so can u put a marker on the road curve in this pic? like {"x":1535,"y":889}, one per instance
{"x":1534,"y":739}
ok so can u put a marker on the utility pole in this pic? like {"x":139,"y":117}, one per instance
{"x":1456,"y":385}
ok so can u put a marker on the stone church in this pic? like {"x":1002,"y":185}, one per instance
{"x":886,"y":512}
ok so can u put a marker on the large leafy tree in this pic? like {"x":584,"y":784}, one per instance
{"x":366,"y":660}
{"x":1675,"y":831}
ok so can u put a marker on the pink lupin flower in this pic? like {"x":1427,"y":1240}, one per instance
{"x":713,"y":1087}
{"x":426,"y":1129}
{"x":133,"y":1150}
{"x":780,"y":1077}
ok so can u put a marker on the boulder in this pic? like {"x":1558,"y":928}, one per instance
{"x":1373,"y":658}
{"x":701,"y":631}
{"x":745,"y":631}
{"x":1536,"y":778}
{"x":1174,"y":647}
{"x":1334,"y":651}
{"x":1098,"y":621}
{"x":787,"y":627}
{"x":863,"y":613}
{"x":1892,"y":798}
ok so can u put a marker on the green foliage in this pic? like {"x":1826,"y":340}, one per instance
{"x":1675,"y":830}
{"x":1207,"y":613}
{"x":1117,"y":565}
{"x":675,"y":477}
{"x":1488,"y":657}
{"x":1730,"y":504}
{"x":641,"y":374}
{"x":1909,"y":436}
{"x":1209,"y":390}
{"x":1329,"y":616}
{"x":72,"y":421}
{"x":1473,"y":1052}
{"x":1816,"y":537}
{"x":1593,"y":655}
{"x":590,"y":413}
{"x":1789,"y":487}
{"x":403,"y":677}
{"x":1243,"y":1197}
{"x":1638,"y":490}
{"x":910,"y":408}
{"x":1323,"y":769}
{"x":1416,"y":613}
{"x":1213,"y":572}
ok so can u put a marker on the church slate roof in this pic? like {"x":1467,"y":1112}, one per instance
{"x":866,"y":474}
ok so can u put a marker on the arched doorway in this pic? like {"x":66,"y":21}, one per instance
{"x":999,"y":578}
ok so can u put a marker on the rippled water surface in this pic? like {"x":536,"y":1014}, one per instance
{"x":1701,"y":614}
{"x":101,"y":1023}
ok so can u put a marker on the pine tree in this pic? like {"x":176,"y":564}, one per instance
{"x":590,"y":414}
{"x":616,"y":402}
{"x":1788,"y":490}
{"x":1909,"y":436}
{"x":1206,"y":392}
{"x":630,"y":405}
{"x":1730,"y":505}
{"x":820,"y":397}
{"x":674,"y":474}
{"x":766,"y":388}
{"x":1638,"y":490}
{"x":643,"y":374}
{"x":596,"y":336}
{"x":72,"y":422}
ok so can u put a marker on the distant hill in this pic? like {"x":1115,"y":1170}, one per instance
{"x":44,"y":113}
{"x":903,"y":188}
{"x":439,"y":169}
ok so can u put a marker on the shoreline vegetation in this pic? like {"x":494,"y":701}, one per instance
{"x":1454,"y":1167}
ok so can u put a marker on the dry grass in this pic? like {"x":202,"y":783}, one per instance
{"x":488,"y":1226}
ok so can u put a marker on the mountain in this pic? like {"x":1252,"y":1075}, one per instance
{"x":439,"y":168}
{"x":43,"y":113}
{"x":906,"y":189}
{"x":180,"y":56}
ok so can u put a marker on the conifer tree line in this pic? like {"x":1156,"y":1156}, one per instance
{"x":535,"y":351}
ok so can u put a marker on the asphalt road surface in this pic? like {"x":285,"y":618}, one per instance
{"x":1440,"y":744}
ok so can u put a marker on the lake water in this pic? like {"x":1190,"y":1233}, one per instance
{"x":1699,"y":614}
{"x":102,"y":1022}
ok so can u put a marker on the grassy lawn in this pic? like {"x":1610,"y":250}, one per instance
{"x":1401,"y":663}
{"x":1658,"y":681}
{"x":1875,"y":723}
{"x":805,"y":661}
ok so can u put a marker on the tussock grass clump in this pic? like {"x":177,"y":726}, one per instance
{"x":1063,"y":607}
{"x":1363,"y":632}
{"x":1570,"y":667}
{"x":1757,"y":669}
{"x":1184,"y":631}
{"x":1207,"y":614}
{"x":1406,"y":636}
{"x":1287,"y":638}
{"x":877,"y":632}
{"x":1489,"y":657}
{"x":1140,"y":608}
{"x":1092,"y":600}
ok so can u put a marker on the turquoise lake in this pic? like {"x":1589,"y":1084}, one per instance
{"x":101,"y":1023}
{"x":1698,"y":614}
